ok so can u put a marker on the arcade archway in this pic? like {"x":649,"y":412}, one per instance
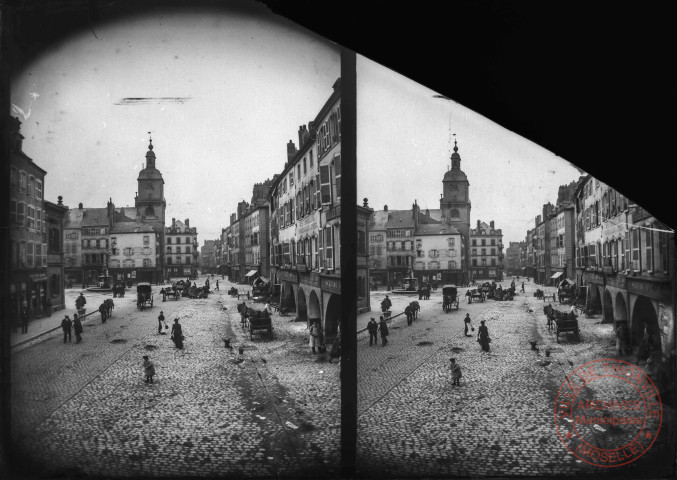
{"x":288,"y":297}
{"x":302,"y":310}
{"x":332,"y":316}
{"x":645,"y":320}
{"x":608,"y":308}
{"x":314,"y":311}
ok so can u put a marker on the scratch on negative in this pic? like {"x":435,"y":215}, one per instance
{"x":143,"y":100}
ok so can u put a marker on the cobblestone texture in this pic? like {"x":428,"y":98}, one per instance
{"x":85,"y":408}
{"x":500,"y":422}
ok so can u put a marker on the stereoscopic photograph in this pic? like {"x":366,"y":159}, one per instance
{"x":175,"y":289}
{"x":517,"y":314}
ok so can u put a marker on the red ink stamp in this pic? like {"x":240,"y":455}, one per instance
{"x":608,"y":413}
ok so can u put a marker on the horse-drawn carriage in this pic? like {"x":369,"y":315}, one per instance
{"x":144,"y":295}
{"x":503,"y":294}
{"x":475,"y":294}
{"x":449,"y":297}
{"x":566,"y":291}
{"x":174,"y":291}
{"x":252,"y":320}
{"x":562,"y":322}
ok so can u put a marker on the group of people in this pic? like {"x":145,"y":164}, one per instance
{"x":375,"y":328}
{"x":68,"y":325}
{"x":176,"y":332}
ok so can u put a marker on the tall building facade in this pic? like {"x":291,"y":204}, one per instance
{"x":150,"y":202}
{"x":181,"y":249}
{"x":305,"y":217}
{"x":455,"y":205}
{"x":29,"y":287}
{"x":55,"y":215}
{"x":486,"y":252}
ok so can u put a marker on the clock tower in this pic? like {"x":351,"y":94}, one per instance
{"x":455,"y":204}
{"x":150,"y":202}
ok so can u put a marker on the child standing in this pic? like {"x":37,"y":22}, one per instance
{"x":455,"y":372}
{"x":149,"y":369}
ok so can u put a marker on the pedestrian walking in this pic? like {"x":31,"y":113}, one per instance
{"x":383,"y":328}
{"x":468,"y":325}
{"x":217,"y":284}
{"x":177,"y":334}
{"x":483,"y":336}
{"x":522,"y":287}
{"x":315,"y":335}
{"x":80,"y":302}
{"x":386,"y":304}
{"x":77,"y":328}
{"x":163,"y":292}
{"x":372,"y":328}
{"x":455,"y":372}
{"x":149,"y":369}
{"x":160,"y":322}
{"x":24,"y":320}
{"x":420,"y":292}
{"x":48,"y":307}
{"x":66,"y":325}
{"x":103,"y":311}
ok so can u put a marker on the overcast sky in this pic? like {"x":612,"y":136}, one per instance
{"x":227,"y":92}
{"x":405,"y":141}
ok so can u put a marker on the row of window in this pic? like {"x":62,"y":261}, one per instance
{"x":315,"y":252}
{"x":483,"y":252}
{"x":93,"y":231}
{"x":483,"y":262}
{"x":26,"y":215}
{"x":186,"y":249}
{"x":130,"y":263}
{"x":177,"y":240}
{"x":399,"y":232}
{"x":611,"y":204}
{"x":177,"y":260}
{"x":28,"y":254}
{"x":483,"y":243}
{"x":329,"y":133}
{"x":26,"y":183}
{"x":640,"y":250}
{"x":131,"y":251}
{"x":435,"y":265}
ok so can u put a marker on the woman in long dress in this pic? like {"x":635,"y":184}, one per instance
{"x":483,"y":336}
{"x":177,"y":334}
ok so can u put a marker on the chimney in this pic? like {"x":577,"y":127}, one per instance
{"x":491,"y":224}
{"x":80,"y":206}
{"x":303,"y":135}
{"x":187,"y":222}
{"x":291,"y":149}
{"x":385,"y":208}
{"x":427,"y":212}
{"x":478,"y":226}
{"x":60,"y":202}
{"x":538,"y":220}
{"x":365,"y":202}
{"x":173,"y":222}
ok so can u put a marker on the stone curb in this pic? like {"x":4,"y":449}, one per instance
{"x":45,"y":332}
{"x":389,"y":318}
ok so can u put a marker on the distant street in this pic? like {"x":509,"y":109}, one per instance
{"x":499,"y":422}
{"x":85,"y":409}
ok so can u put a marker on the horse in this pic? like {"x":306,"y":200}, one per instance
{"x":409,"y":312}
{"x":243,"y":310}
{"x":109,"y":307}
{"x":416,"y":308}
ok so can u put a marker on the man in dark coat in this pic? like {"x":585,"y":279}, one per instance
{"x":80,"y":302}
{"x":383,"y":328}
{"x":409,"y":312}
{"x":103,"y":311}
{"x":24,"y":320}
{"x":372,"y":328}
{"x":468,"y":325}
{"x":77,"y":328}
{"x":160,"y":321}
{"x":386,"y":304}
{"x":66,"y":326}
{"x":163,"y":292}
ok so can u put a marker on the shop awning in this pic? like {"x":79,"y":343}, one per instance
{"x":250,"y":273}
{"x":556,"y":275}
{"x":263,"y":279}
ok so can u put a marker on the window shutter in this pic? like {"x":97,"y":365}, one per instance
{"x":337,"y":176}
{"x":325,"y":184}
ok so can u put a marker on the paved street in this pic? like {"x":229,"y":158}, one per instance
{"x":84,"y":409}
{"x":499,"y":422}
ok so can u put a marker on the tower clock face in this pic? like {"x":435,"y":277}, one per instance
{"x":150,"y":185}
